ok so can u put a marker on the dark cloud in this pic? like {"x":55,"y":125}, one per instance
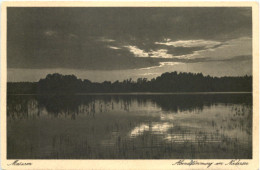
{"x":235,"y":58}
{"x":183,"y":50}
{"x":80,"y":38}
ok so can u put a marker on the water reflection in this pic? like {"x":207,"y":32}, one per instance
{"x":130,"y":126}
{"x":155,"y":128}
{"x":24,"y":106}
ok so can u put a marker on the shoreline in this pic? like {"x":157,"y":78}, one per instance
{"x":139,"y":93}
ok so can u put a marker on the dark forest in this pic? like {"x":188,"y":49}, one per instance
{"x":167,"y":82}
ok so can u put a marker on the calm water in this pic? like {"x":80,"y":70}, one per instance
{"x":129,"y":126}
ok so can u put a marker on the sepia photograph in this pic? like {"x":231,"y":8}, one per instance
{"x":129,"y":83}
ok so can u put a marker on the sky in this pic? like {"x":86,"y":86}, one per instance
{"x":117,"y":43}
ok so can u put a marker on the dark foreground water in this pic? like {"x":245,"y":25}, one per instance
{"x":147,"y":126}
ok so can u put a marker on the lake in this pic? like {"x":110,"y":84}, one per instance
{"x":130,"y":126}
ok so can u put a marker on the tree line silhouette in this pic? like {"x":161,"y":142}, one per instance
{"x":167,"y":82}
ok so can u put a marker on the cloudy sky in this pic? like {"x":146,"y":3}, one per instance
{"x":118,"y":43}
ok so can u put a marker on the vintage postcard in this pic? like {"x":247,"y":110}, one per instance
{"x":129,"y":85}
